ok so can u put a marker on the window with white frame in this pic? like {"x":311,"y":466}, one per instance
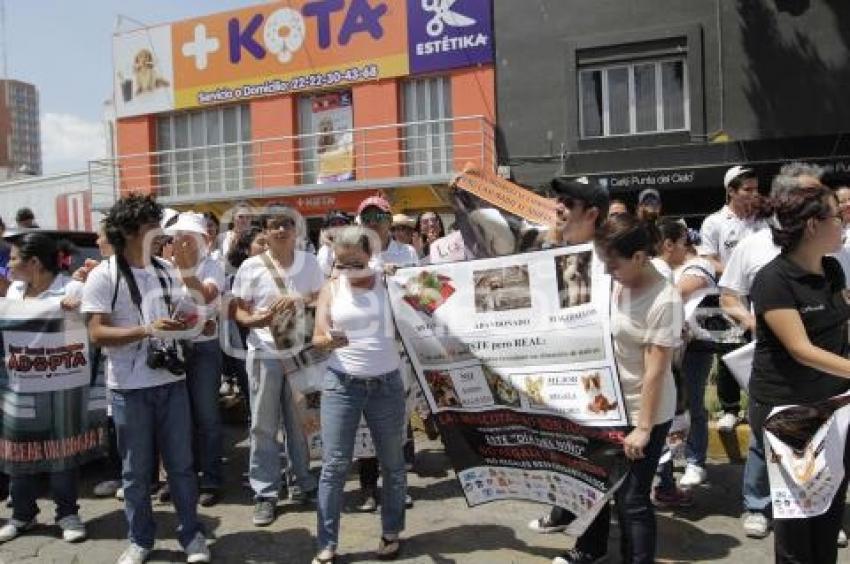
{"x":634,"y":98}
{"x":428,"y":146}
{"x":205,"y":151}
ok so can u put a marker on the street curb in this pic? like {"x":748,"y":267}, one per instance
{"x":731,"y":447}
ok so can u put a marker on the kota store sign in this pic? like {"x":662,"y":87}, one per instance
{"x":300,"y":46}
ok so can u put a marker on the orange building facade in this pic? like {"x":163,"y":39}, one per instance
{"x":305,"y":105}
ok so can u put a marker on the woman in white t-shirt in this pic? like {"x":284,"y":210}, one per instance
{"x":646,"y":325}
{"x":34,"y":268}
{"x":354,"y":321}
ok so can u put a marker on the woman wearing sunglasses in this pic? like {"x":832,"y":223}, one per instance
{"x":354,"y":322}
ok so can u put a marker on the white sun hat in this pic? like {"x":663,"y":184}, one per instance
{"x":188,"y":222}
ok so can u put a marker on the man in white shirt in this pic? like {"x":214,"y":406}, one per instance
{"x":267,"y":288}
{"x":720,"y":233}
{"x":128,"y":300}
{"x":204,"y":360}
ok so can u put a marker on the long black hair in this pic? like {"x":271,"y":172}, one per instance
{"x":53,"y":254}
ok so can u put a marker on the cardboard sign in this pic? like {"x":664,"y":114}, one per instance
{"x":507,"y":195}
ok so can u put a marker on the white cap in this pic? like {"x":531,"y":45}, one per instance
{"x":168,"y":215}
{"x":734,"y":173}
{"x":188,"y":222}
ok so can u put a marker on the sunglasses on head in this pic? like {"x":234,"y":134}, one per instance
{"x":376,"y":216}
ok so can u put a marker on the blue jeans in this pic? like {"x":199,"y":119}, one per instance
{"x":344,"y":399}
{"x":756,"y":487}
{"x":635,"y":511}
{"x":25,"y":490}
{"x":203,"y":377}
{"x":271,"y":398}
{"x":696,"y":367}
{"x":148,"y":417}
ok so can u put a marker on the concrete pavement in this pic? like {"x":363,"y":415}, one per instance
{"x":440,"y":528}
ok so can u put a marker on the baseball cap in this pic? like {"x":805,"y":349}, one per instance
{"x":375,"y":202}
{"x":734,"y":173}
{"x":649,"y":194}
{"x":588,"y":191}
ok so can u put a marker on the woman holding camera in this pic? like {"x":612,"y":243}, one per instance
{"x":354,"y":321}
{"x":34,"y":266}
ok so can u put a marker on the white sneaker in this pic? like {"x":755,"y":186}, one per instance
{"x":694,"y":476}
{"x":197,"y":550}
{"x":842,"y":538}
{"x":134,"y":554}
{"x":727,"y":422}
{"x":73,"y":529}
{"x":107,"y":488}
{"x":756,"y":525}
{"x":119,"y":494}
{"x":13,"y":528}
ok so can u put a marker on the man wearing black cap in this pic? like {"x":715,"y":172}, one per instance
{"x":649,"y":205}
{"x":582,"y":207}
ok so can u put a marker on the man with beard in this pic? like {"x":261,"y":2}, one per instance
{"x":649,"y":205}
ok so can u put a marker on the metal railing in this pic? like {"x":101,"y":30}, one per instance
{"x":400,"y":154}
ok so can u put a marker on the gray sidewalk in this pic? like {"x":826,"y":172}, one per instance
{"x":440,"y":528}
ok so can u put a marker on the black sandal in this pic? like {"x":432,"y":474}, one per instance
{"x":388,"y":549}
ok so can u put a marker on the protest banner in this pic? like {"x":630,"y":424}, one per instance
{"x":52,"y":419}
{"x":515,"y":358}
{"x":804,"y":450}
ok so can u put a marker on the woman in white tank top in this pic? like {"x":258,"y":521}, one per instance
{"x":354,"y":322}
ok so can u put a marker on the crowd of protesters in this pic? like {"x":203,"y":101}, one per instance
{"x":772,"y":268}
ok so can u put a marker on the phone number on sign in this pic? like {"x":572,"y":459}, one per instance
{"x":305,"y":82}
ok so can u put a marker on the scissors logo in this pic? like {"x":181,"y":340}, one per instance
{"x":444,"y":16}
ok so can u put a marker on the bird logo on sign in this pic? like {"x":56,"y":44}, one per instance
{"x":444,"y":16}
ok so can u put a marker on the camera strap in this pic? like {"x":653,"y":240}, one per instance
{"x":124,"y":271}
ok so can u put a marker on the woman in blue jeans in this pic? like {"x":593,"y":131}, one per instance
{"x":354,"y":321}
{"x":646,"y":326}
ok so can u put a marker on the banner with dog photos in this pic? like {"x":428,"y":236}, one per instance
{"x":804,"y":449}
{"x":515,"y":358}
{"x":52,"y":419}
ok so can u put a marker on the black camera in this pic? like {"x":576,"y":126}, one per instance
{"x":162,"y":356}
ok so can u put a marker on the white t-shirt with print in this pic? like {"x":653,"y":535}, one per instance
{"x":126,"y":366}
{"x":255,"y":285}
{"x":654,"y":316}
{"x":396,"y":253}
{"x":723,"y":230}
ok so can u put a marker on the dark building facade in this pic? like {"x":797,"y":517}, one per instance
{"x":669,"y":93}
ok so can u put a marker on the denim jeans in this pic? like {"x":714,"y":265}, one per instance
{"x":728,"y":390}
{"x":344,"y":399}
{"x":203,"y":377}
{"x":25,"y":490}
{"x":756,"y":487}
{"x":635,"y":512}
{"x":145,"y":418}
{"x":271,"y":398}
{"x":696,"y":366}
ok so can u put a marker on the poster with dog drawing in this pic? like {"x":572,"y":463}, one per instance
{"x":143,"y":71}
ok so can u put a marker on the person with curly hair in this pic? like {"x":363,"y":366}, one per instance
{"x":129,"y":301}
